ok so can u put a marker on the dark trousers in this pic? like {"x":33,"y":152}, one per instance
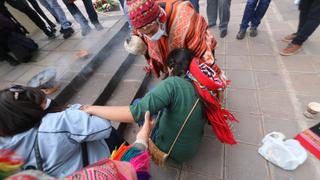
{"x":309,"y":20}
{"x":36,"y":6}
{"x":254,"y":12}
{"x":115,"y":140}
{"x":4,"y":13}
{"x":23,"y":6}
{"x":3,"y":50}
{"x":76,"y":13}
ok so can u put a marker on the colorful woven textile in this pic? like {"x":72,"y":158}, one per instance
{"x":9,"y":163}
{"x":310,"y":139}
{"x":142,"y":12}
{"x":208,"y":82}
{"x":185,"y":28}
{"x":136,"y":167}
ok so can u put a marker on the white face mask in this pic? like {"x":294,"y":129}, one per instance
{"x":159,"y":34}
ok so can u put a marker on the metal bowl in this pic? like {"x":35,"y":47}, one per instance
{"x":44,"y":80}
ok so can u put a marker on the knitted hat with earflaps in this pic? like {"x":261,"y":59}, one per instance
{"x":142,"y":12}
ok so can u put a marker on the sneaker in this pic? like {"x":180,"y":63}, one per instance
{"x":223,"y":33}
{"x":291,"y":49}
{"x":241,"y":34}
{"x":85,"y":31}
{"x":67,"y":32}
{"x":253,"y":32}
{"x":289,"y":37}
{"x":98,"y":26}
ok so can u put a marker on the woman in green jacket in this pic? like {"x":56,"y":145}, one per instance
{"x":174,"y":97}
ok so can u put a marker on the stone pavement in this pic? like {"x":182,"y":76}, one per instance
{"x":268,"y":93}
{"x":61,"y":53}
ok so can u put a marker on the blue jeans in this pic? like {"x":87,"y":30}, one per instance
{"x":254,"y":13}
{"x":55,"y":9}
{"x":140,"y":122}
{"x":195,"y":4}
{"x":78,"y":16}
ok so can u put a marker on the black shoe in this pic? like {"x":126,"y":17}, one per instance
{"x":67,"y":32}
{"x":12,"y":61}
{"x":52,"y":29}
{"x":253,"y":32}
{"x":49,"y":33}
{"x":241,"y":34}
{"x":223,"y":33}
{"x":69,"y":25}
{"x":52,"y":25}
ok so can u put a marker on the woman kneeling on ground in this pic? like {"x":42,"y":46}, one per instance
{"x":174,"y":98}
{"x":130,"y":162}
{"x":49,"y":137}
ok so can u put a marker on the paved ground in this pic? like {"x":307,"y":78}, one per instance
{"x":268,"y":93}
{"x":58,"y":52}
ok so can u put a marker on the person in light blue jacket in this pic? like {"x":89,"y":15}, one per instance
{"x":49,"y":136}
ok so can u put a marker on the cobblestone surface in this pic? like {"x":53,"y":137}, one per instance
{"x":268,"y":93}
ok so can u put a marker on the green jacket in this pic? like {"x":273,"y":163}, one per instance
{"x":175,"y":96}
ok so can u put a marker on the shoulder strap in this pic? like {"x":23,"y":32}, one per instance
{"x":84,"y":153}
{"x":37,"y":154}
{"x":184,"y":123}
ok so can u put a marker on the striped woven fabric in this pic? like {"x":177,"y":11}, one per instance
{"x":185,"y":29}
{"x":310,"y":139}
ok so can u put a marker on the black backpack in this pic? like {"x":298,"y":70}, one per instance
{"x":21,"y":47}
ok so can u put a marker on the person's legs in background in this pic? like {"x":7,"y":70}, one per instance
{"x":122,"y":3}
{"x":92,"y":14}
{"x":212,"y":12}
{"x":23,"y":6}
{"x":246,"y":18}
{"x":46,"y":5}
{"x":258,"y":15}
{"x":125,"y":11}
{"x":303,"y":16}
{"x":224,"y":16}
{"x":66,"y":28}
{"x":55,"y":9}
{"x":78,"y":16}
{"x":310,"y":25}
{"x":36,"y":6}
{"x":4,"y":35}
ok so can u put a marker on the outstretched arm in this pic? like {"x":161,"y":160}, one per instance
{"x":113,"y":113}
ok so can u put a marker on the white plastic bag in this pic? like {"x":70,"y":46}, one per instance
{"x":287,"y":154}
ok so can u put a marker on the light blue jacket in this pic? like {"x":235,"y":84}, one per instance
{"x":59,"y":138}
